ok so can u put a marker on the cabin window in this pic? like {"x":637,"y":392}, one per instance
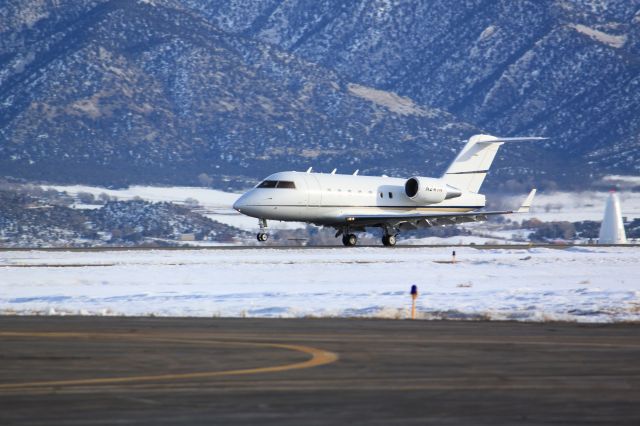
{"x":286,"y":184}
{"x":382,"y":195}
{"x":268,"y":184}
{"x":390,"y":194}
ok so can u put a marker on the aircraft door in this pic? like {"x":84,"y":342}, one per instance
{"x":314,"y":191}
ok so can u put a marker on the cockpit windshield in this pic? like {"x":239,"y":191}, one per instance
{"x":286,"y":184}
{"x":268,"y":184}
{"x":277,"y":184}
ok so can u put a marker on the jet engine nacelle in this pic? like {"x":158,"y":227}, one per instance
{"x":424,"y":190}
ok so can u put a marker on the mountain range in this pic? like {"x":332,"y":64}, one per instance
{"x":162,"y":91}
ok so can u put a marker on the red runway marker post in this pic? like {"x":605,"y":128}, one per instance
{"x":414,"y":296}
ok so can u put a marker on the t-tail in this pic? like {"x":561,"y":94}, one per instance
{"x":468,"y":170}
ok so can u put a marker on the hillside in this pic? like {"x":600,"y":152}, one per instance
{"x":31,"y":218}
{"x":127,"y":92}
{"x":118,"y":92}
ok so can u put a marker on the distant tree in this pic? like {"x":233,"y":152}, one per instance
{"x":532,"y":223}
{"x":191,"y":202}
{"x":86,"y":198}
{"x":633,"y":229}
{"x":587,"y":229}
{"x":116,"y":234}
{"x":61,"y":199}
{"x":205,"y":179}
{"x":554,"y":230}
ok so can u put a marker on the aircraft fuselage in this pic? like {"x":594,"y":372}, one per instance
{"x":330,"y":199}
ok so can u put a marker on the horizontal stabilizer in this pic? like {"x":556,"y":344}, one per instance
{"x":524,"y":139}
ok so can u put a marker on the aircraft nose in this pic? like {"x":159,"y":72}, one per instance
{"x":239,"y":204}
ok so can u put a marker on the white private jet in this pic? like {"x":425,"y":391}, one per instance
{"x":351,"y":203}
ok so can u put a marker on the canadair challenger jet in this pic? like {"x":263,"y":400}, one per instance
{"x":351,"y":203}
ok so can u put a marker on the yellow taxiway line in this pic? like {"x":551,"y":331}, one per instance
{"x":318,"y":357}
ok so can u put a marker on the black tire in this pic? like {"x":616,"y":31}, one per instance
{"x":351,"y":240}
{"x":262,"y":237}
{"x":391,"y":240}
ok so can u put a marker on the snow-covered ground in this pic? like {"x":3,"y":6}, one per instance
{"x":589,"y":284}
{"x":576,"y":206}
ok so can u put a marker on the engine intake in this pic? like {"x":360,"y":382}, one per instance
{"x":429,"y":190}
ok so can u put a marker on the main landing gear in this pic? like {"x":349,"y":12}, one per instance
{"x":349,"y":240}
{"x":263,"y":235}
{"x":389,"y":240}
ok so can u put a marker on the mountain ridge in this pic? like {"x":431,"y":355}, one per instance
{"x":118,"y":92}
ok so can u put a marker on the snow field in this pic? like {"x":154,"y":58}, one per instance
{"x":578,"y":284}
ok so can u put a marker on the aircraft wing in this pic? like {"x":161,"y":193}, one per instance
{"x":426,"y":220}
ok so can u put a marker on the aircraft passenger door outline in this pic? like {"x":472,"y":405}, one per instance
{"x":314,"y":191}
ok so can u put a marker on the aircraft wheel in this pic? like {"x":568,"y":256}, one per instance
{"x":389,"y":240}
{"x":262,"y":237}
{"x":350,"y":240}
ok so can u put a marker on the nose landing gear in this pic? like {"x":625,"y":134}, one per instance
{"x":263,"y":235}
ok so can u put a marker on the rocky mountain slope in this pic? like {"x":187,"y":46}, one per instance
{"x":131,"y":92}
{"x":116,"y":92}
{"x":567,"y":69}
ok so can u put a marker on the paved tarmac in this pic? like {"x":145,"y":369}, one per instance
{"x":99,"y":371}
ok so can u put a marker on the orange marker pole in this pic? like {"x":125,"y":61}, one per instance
{"x":414,"y":296}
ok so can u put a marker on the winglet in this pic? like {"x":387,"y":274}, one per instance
{"x":524,"y":208}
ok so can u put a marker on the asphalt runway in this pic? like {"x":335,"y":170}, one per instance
{"x":98,"y":371}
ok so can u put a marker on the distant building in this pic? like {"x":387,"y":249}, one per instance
{"x":612,"y":228}
{"x":187,"y":237}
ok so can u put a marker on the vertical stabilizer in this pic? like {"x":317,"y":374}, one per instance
{"x":612,"y":228}
{"x":468,"y":170}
